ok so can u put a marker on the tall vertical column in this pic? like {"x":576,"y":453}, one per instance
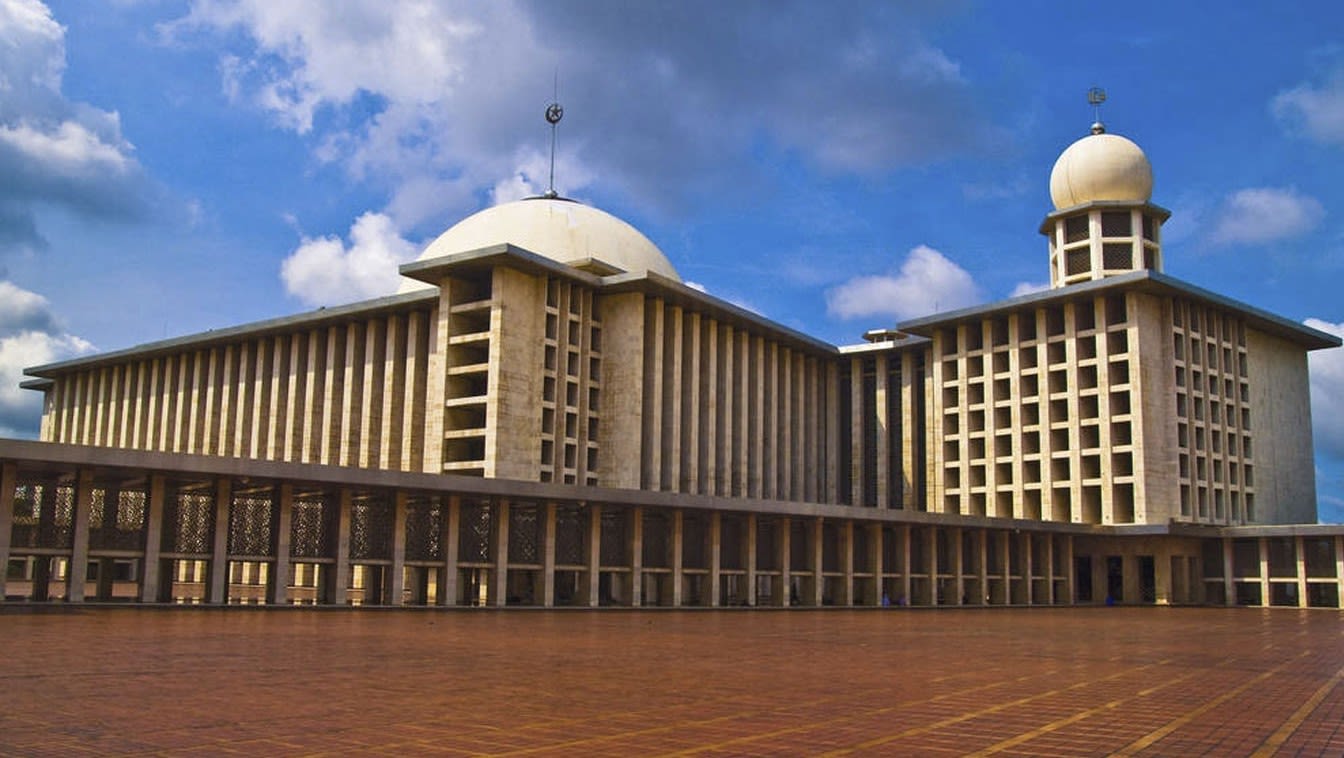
{"x":1049,"y":598}
{"x":876,"y":589}
{"x":905,"y":564}
{"x":959,"y":581}
{"x":1263,"y":544}
{"x":151,"y":570}
{"x":219,"y":552}
{"x":847,"y":561}
{"x":280,"y":570}
{"x":1229,"y":586}
{"x":636,"y":543}
{"x":594,"y":555}
{"x":79,"y":545}
{"x":1069,"y":597}
{"x":715,"y":558}
{"x":1301,"y":572}
{"x":9,"y":477}
{"x":396,"y":578}
{"x":548,"y":557}
{"x":499,"y":591}
{"x":750,"y":562}
{"x":982,"y":553}
{"x":817,"y":555}
{"x":678,"y":536}
{"x":338,"y":581}
{"x":1339,"y":570}
{"x":931,"y":562}
{"x":784,"y":535}
{"x":1025,"y":545}
{"x":451,"y":522}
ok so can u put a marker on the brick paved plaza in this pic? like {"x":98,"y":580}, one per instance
{"x":1130,"y":681}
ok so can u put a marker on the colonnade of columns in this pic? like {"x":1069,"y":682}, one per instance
{"x":1299,"y":570}
{"x":628,"y":554}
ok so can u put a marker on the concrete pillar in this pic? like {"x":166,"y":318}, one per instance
{"x":337,"y":581}
{"x":151,"y":570}
{"x":636,"y":536}
{"x":1339,"y":570}
{"x":394,"y":581}
{"x":847,"y":560}
{"x":499,"y":589}
{"x":1069,"y":596}
{"x":905,"y":564}
{"x":875,"y":564}
{"x":816,"y":554}
{"x":1028,"y":569}
{"x":982,"y":564}
{"x":451,"y":521}
{"x":218,"y":591}
{"x":931,"y":562}
{"x":678,"y":535}
{"x":1049,"y":572}
{"x":279,"y":577}
{"x":958,"y":560}
{"x":749,"y":565}
{"x":594,"y":554}
{"x":9,"y":477}
{"x":78,"y":572}
{"x":1263,"y":544}
{"x":784,"y":529}
{"x":1301,"y":572}
{"x":548,"y":557}
{"x":1229,"y":586}
{"x":715,"y":558}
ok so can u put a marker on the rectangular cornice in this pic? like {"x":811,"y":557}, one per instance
{"x":353,"y":311}
{"x":1143,"y":281}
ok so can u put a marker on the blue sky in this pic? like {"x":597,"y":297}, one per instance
{"x":171,"y":167}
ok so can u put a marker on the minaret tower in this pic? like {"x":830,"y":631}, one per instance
{"x":1103,"y":223}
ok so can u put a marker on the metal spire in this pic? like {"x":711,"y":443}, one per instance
{"x":1095,"y":97}
{"x":554,"y":112}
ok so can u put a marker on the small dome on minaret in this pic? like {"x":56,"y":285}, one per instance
{"x":1101,"y":167}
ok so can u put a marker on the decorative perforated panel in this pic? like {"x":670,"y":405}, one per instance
{"x":424,"y":529}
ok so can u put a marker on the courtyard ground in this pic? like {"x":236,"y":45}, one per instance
{"x":1046,"y":682}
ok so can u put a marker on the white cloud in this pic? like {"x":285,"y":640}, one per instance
{"x":326,"y":271}
{"x":1317,"y":111}
{"x":53,"y":151}
{"x":927,"y":283}
{"x":1266,"y":214}
{"x":1028,"y":288}
{"x":418,"y":93}
{"x":1327,"y":393}
{"x":30,"y":335}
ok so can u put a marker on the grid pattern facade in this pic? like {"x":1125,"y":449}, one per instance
{"x":571,"y":384}
{"x":1034,"y":417}
{"x":1213,"y":415}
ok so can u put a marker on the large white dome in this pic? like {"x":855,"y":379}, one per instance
{"x":1101,"y":167}
{"x":559,"y":229}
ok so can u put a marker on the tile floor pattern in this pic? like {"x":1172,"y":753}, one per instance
{"x":1043,"y":682}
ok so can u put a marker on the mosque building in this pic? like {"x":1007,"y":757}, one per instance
{"x":547,"y":415}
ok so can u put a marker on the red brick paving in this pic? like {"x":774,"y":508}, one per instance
{"x":1044,"y":682}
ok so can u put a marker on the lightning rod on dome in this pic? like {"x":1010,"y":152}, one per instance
{"x":1095,"y":97}
{"x":554,"y":112}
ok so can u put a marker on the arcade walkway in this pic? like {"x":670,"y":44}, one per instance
{"x":1064,"y":681}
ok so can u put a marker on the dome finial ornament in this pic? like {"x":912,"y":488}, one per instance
{"x":554,"y":112}
{"x":1095,"y":97}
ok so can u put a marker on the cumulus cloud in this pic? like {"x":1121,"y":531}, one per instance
{"x":30,"y":335}
{"x":1327,"y":393}
{"x":326,"y":271}
{"x":927,"y":283}
{"x":1316,"y":110}
{"x":419,"y":93}
{"x":1266,"y":214}
{"x":53,"y":152}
